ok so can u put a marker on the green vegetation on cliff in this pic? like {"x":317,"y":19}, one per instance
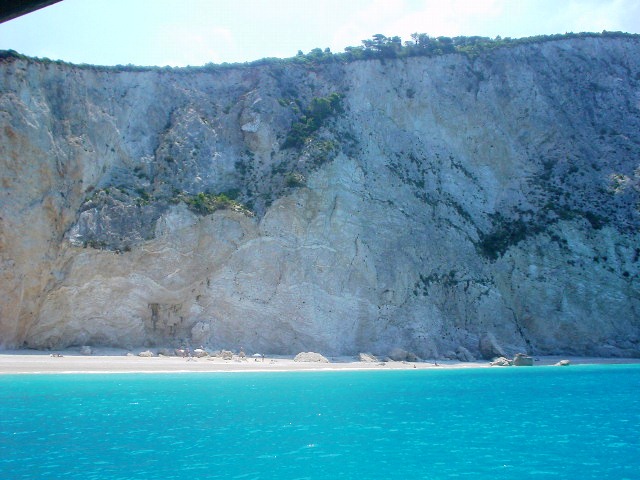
{"x":207,"y":203}
{"x":320,"y":109}
{"x":378,"y":47}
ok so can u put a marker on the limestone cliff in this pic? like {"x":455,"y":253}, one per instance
{"x":425,"y":204}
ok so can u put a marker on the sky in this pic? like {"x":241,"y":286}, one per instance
{"x":195,"y":32}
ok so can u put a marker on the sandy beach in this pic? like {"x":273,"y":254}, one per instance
{"x":122,"y":361}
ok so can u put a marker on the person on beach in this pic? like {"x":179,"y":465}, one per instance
{"x":189,"y":356}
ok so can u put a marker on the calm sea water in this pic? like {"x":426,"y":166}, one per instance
{"x":513,"y":423}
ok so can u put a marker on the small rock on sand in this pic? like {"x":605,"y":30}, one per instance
{"x":563,"y":363}
{"x":146,"y":353}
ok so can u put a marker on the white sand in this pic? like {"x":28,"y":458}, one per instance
{"x":117,"y":361}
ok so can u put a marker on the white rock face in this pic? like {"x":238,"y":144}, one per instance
{"x":451,"y":200}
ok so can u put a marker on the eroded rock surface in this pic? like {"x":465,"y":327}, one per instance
{"x":443,"y":201}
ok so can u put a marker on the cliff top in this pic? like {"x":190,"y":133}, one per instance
{"x":378,"y":47}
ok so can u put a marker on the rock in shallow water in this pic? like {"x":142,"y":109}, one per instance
{"x":522,"y":360}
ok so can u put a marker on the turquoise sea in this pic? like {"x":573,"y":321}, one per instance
{"x":577,"y":422}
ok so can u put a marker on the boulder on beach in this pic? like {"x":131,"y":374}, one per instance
{"x":563,"y":363}
{"x":501,"y":362}
{"x":199,"y":352}
{"x":400,"y":355}
{"x":226,"y":354}
{"x":146,"y":353}
{"x":367,"y":357}
{"x":310,"y":357}
{"x":522,"y":360}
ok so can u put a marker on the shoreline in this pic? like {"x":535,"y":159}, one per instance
{"x":20,"y":362}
